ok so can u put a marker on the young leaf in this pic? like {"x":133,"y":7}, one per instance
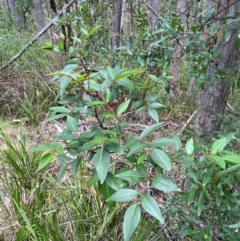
{"x":164,"y":184}
{"x":131,"y":176}
{"x":123,"y":195}
{"x":107,"y":95}
{"x":207,"y":175}
{"x":218,"y":146}
{"x":122,"y":107}
{"x":112,"y":182}
{"x":136,"y":148}
{"x":142,"y":157}
{"x":234,"y":158}
{"x":200,"y":203}
{"x":161,"y":159}
{"x":60,"y":109}
{"x":101,"y":162}
{"x":151,"y":206}
{"x":72,"y":123}
{"x":149,"y":130}
{"x":131,"y":220}
{"x":219,"y":161}
{"x":153,"y":114}
{"x":46,"y":160}
{"x":189,"y":147}
{"x":163,"y":142}
{"x":236,"y":225}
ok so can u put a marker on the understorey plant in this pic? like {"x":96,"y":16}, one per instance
{"x":125,"y":165}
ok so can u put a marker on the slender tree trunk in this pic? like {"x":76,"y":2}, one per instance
{"x":181,"y":11}
{"x":153,"y":18}
{"x":118,"y":6}
{"x":39,"y":14}
{"x":18,"y":15}
{"x":213,"y":99}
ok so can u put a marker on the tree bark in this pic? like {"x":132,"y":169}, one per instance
{"x":213,"y":99}
{"x":39,"y":14}
{"x":18,"y":14}
{"x":153,"y":18}
{"x":181,"y":11}
{"x":118,"y":6}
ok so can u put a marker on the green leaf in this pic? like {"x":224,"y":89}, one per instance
{"x":131,"y":220}
{"x":60,"y":109}
{"x":122,"y":107}
{"x":234,"y":158}
{"x":230,"y":169}
{"x":113,"y":146}
{"x":164,"y":184}
{"x":111,"y":73}
{"x":101,"y":161}
{"x":112,"y":181}
{"x":156,"y":105}
{"x":163,"y":142}
{"x":63,"y":85}
{"x":161,"y":159}
{"x":189,"y":147}
{"x":61,"y":172}
{"x":151,"y":206}
{"x":107,"y":95}
{"x":93,"y":143}
{"x":75,"y":164}
{"x":218,"y":146}
{"x":136,"y":148}
{"x":219,"y":161}
{"x":149,"y":130}
{"x":123,"y":195}
{"x":47,"y":147}
{"x":153,"y":114}
{"x":72,"y":123}
{"x":107,"y":192}
{"x":126,"y":82}
{"x":46,"y":160}
{"x":200,"y":203}
{"x":131,"y":176}
{"x":142,"y":157}
{"x":236,"y":225}
{"x":207,"y":175}
{"x":55,"y":117}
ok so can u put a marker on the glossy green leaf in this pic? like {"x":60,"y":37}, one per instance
{"x":161,"y":159}
{"x":160,"y":142}
{"x":72,"y":123}
{"x":131,"y":220}
{"x":60,"y":109}
{"x":93,"y":143}
{"x":142,"y":157}
{"x":123,"y":195}
{"x":107,"y":95}
{"x":218,"y":146}
{"x":164,"y":184}
{"x":234,"y":158}
{"x":63,"y":85}
{"x":63,"y":159}
{"x":207,"y":175}
{"x":61,"y":172}
{"x":111,"y":73}
{"x":46,"y":160}
{"x":153,"y":114}
{"x":112,"y":181}
{"x":47,"y":147}
{"x":230,"y":169}
{"x":219,"y":161}
{"x":142,"y":169}
{"x":236,"y":225}
{"x":126,"y":82}
{"x":156,"y":105}
{"x":149,"y":130}
{"x":122,"y":107}
{"x":136,"y":148}
{"x":101,"y":162}
{"x":200,"y":203}
{"x":55,"y":117}
{"x":131,"y":176}
{"x":75,"y":165}
{"x":107,"y":192}
{"x":189,"y":147}
{"x":151,"y":206}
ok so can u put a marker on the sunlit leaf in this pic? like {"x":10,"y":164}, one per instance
{"x":161,"y":159}
{"x":151,"y":206}
{"x":189,"y":147}
{"x":153,"y":114}
{"x":131,"y":176}
{"x":164,"y":184}
{"x":122,"y":107}
{"x":123,"y":195}
{"x":72,"y":123}
{"x":149,"y":130}
{"x":46,"y":160}
{"x":218,"y":146}
{"x":131,"y":220}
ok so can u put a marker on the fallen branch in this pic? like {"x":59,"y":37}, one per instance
{"x":188,"y":121}
{"x":151,"y":9}
{"x":15,"y":57}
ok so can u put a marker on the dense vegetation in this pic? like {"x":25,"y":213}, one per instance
{"x":124,"y":120}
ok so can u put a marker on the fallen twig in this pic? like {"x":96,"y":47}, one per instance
{"x":15,"y":57}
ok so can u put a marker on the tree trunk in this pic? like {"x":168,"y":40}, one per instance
{"x":153,"y":18}
{"x":39,"y":14}
{"x":18,"y":14}
{"x":213,"y":99}
{"x":118,"y":5}
{"x":181,"y":11}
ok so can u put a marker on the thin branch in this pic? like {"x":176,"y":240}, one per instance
{"x":188,"y":121}
{"x":18,"y":55}
{"x":151,"y":9}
